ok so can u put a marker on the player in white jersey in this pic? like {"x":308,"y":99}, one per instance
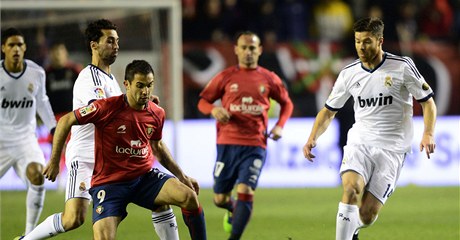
{"x":94,"y":82}
{"x":382,"y":86}
{"x":22,"y":96}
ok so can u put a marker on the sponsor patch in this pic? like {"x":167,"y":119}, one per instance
{"x":99,"y":93}
{"x":87,"y":110}
{"x":425,"y":86}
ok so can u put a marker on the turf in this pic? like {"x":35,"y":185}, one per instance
{"x":279,"y":214}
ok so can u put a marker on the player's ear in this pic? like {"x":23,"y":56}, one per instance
{"x":93,"y":45}
{"x":126,"y":83}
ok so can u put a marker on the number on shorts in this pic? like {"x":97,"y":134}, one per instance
{"x":101,"y":196}
{"x":218,"y":168}
{"x":388,"y":192}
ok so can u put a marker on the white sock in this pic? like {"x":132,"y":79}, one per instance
{"x":34,"y":205}
{"x":52,"y":226}
{"x":165,"y":225}
{"x":348,"y":221}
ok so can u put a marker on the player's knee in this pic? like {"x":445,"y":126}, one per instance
{"x":220,"y":200}
{"x":34,"y":173}
{"x":190,"y":201}
{"x":351,"y":193}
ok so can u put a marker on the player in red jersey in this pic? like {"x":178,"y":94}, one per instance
{"x":242,"y":121}
{"x":128,"y":130}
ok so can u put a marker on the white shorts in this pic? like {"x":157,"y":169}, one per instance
{"x":380,"y":168}
{"x":19,"y":156}
{"x":79,"y":180}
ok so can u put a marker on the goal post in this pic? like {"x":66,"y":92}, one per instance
{"x":174,"y":29}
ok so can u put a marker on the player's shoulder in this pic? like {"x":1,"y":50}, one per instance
{"x":32,"y":66}
{"x":397,"y":59}
{"x":155,"y":109}
{"x":351,"y":66}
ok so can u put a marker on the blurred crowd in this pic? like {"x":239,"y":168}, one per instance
{"x":301,"y":20}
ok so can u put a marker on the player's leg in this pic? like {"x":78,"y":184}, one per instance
{"x":356,"y":170}
{"x":381,"y":186}
{"x":225,"y":176}
{"x":243,"y":210}
{"x":176,"y":193}
{"x":348,"y":220}
{"x":76,"y":206}
{"x":250,"y":163}
{"x":165,"y":224}
{"x":109,"y":207}
{"x":29,"y":167}
{"x":106,"y":228}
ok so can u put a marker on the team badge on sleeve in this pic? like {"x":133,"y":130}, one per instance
{"x":87,"y":110}
{"x":425,"y":86}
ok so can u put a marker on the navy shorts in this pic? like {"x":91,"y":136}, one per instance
{"x":237,"y":164}
{"x":112,"y":199}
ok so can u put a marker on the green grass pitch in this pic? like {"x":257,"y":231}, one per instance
{"x":280,"y":214}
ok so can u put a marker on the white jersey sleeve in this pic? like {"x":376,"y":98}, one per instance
{"x":44,"y":109}
{"x":415,"y":83}
{"x":22,"y":95}
{"x":92,"y":84}
{"x":340,"y":94}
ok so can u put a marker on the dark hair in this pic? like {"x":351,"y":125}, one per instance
{"x":94,"y":31}
{"x":137,"y":67}
{"x":9,"y":33}
{"x":247,"y":32}
{"x":371,"y":24}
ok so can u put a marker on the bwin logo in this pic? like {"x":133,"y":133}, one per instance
{"x":378,"y":101}
{"x":24,"y":103}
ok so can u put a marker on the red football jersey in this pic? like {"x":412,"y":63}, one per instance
{"x":246,"y":94}
{"x":122,"y":135}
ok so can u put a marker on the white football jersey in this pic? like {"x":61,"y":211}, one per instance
{"x":92,"y":84}
{"x":22,"y":96}
{"x":382,"y":101}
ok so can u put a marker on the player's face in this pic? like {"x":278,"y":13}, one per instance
{"x":248,"y":50}
{"x":14,"y":49}
{"x":107,"y":47}
{"x":140,"y":89}
{"x":368,"y":46}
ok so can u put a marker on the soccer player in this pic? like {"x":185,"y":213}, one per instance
{"x":22,"y":96}
{"x":382,"y":86}
{"x":94,"y":82}
{"x":128,"y":130}
{"x":245,"y":91}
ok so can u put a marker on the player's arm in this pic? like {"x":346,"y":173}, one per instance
{"x":164,"y":157}
{"x":60,"y":135}
{"x":219,"y":113}
{"x":322,"y":121}
{"x":429,"y":120}
{"x":286,"y":108}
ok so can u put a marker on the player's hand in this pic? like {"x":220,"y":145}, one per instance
{"x":51,"y":171}
{"x":221,"y":114}
{"x":191,"y":183}
{"x":276,"y":133}
{"x":307,"y":150}
{"x":155,"y":99}
{"x":428,"y":144}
